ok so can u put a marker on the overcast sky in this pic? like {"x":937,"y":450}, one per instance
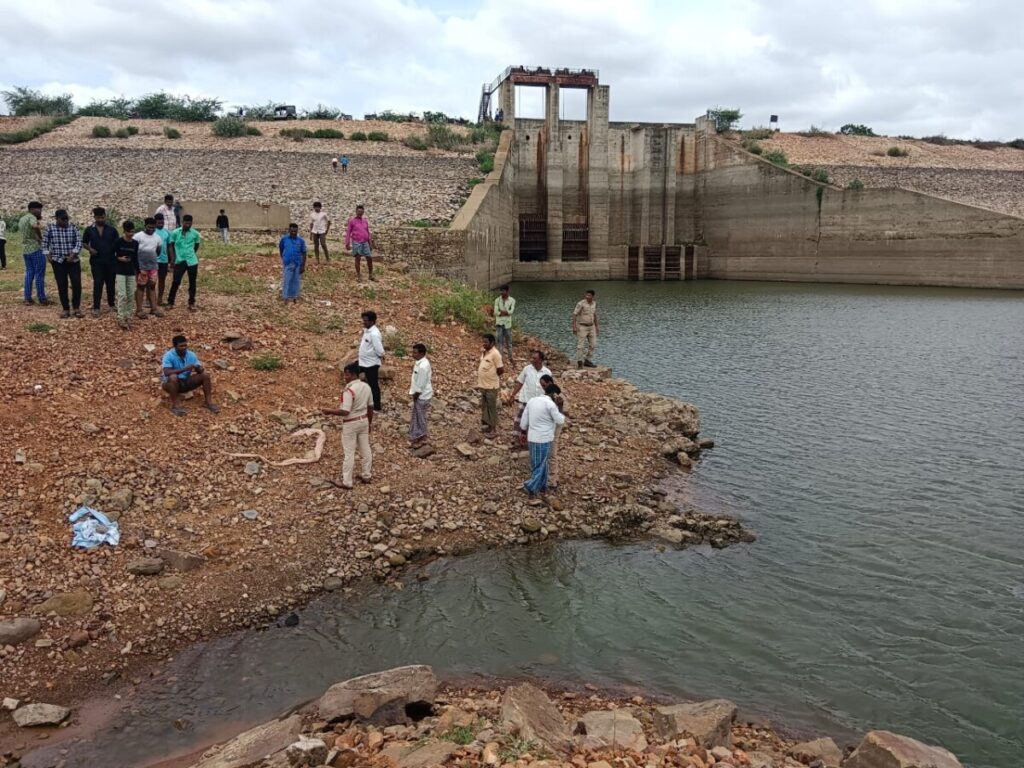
{"x":902,"y":66}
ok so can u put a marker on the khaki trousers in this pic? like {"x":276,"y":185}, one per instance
{"x":489,"y":407}
{"x":586,"y":342}
{"x":356,"y":435}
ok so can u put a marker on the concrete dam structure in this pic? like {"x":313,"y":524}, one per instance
{"x":590,"y":199}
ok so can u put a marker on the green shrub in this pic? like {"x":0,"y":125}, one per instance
{"x":132,"y":130}
{"x":265,"y":361}
{"x":474,"y":181}
{"x":855,"y":184}
{"x":27,"y":134}
{"x":122,"y":133}
{"x":100,"y":132}
{"x":171,"y":133}
{"x":322,"y":112}
{"x":777,"y":157}
{"x":462,"y":304}
{"x":820,"y":175}
{"x":119,"y":108}
{"x":229,"y":127}
{"x":814,"y":132}
{"x":850,"y":129}
{"x":414,"y":142}
{"x":752,"y":147}
{"x":252,"y":130}
{"x":421,"y":223}
{"x":442,"y":137}
{"x":897,"y":152}
{"x":724,"y":118}
{"x":486,"y":160}
{"x":377,"y":136}
{"x":358,"y":136}
{"x":488,"y":132}
{"x":38,"y":328}
{"x":460,"y":734}
{"x":1016,"y":144}
{"x":296,"y":134}
{"x":25,"y":102}
{"x":328,"y":133}
{"x":759,"y":133}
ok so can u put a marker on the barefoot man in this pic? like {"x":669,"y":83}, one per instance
{"x":182,"y":372}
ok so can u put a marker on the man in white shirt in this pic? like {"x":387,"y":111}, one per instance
{"x":356,"y":421}
{"x":528,"y":385}
{"x":422,"y":391}
{"x":539,"y":419}
{"x":319,"y":226}
{"x":371,"y":355}
{"x":167,"y":211}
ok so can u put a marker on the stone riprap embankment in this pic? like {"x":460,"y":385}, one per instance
{"x":395,"y":188}
{"x":402,"y":717}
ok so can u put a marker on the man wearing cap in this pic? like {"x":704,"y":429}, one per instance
{"x":100,"y":239}
{"x":356,"y":422}
{"x":62,"y":245}
{"x":32,"y":251}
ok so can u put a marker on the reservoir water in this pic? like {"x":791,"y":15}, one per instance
{"x":873,"y":437}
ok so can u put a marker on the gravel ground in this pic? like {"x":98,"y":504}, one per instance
{"x":395,"y":188}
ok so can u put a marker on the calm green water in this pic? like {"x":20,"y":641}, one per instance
{"x":874,"y":439}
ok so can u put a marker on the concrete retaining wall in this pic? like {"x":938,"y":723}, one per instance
{"x":762,"y":222}
{"x":428,"y":250}
{"x":241,"y":215}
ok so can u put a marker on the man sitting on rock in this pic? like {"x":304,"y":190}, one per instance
{"x":182,"y":372}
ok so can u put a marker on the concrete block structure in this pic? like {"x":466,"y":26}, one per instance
{"x":592,"y":199}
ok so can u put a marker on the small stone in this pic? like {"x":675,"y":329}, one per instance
{"x":122,"y":499}
{"x":169,"y":583}
{"x":146,"y":566}
{"x":465,"y":449}
{"x":19,"y":456}
{"x":705,"y":443}
{"x":78,"y":638}
{"x":170,"y":503}
{"x":180,"y":561}
{"x":250,"y":514}
{"x":253,"y":468}
{"x":239,"y":345}
{"x":423,"y":451}
{"x":222,"y":364}
{"x":14,"y":631}
{"x":33,"y":715}
{"x":396,"y":559}
{"x":531,"y":525}
{"x":333,"y":583}
{"x":491,"y":755}
{"x":151,"y":348}
{"x":385,"y":489}
{"x":89,"y":428}
{"x":10,"y":704}
{"x":78,"y":603}
{"x":44,"y":643}
{"x":306,"y":752}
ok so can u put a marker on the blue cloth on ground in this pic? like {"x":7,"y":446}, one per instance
{"x":91,"y":528}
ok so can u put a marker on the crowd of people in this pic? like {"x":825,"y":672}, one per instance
{"x":130,"y":268}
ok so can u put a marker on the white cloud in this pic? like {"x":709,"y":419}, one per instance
{"x":902,"y":66}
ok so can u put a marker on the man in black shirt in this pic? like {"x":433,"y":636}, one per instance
{"x":126,"y":264}
{"x":222,"y":225}
{"x":101,"y":239}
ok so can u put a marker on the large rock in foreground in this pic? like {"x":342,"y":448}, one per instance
{"x":824,"y":749}
{"x":14,"y":631}
{"x":883,"y":749}
{"x":526,"y":710}
{"x":382,"y":697}
{"x":612,"y":729}
{"x":709,"y":722}
{"x":249,"y":748}
{"x":32,"y":715}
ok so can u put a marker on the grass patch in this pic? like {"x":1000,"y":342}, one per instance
{"x":319,"y":325}
{"x":459,"y":734}
{"x":377,"y":136}
{"x":515,"y":748}
{"x":421,"y":223}
{"x":815,"y":132}
{"x":752,"y":147}
{"x":897,"y":152}
{"x":474,"y":181}
{"x":462,"y":304}
{"x":776,"y":157}
{"x":231,"y":283}
{"x":38,"y":328}
{"x":171,"y":133}
{"x":265,"y":361}
{"x":100,"y":132}
{"x":319,"y":356}
{"x":758,"y":133}
{"x":252,"y":130}
{"x":415,"y":142}
{"x":485,"y":159}
{"x":27,"y":134}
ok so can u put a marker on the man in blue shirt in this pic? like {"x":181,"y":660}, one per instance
{"x":293,"y":260}
{"x":182,"y":372}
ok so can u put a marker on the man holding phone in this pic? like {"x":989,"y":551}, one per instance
{"x":182,"y":372}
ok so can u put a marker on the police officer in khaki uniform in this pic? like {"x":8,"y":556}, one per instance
{"x":585,"y":328}
{"x":356,"y":423}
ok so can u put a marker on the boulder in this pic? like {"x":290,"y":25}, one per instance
{"x":434,"y":753}
{"x":306,"y":752}
{"x":240,"y":344}
{"x":146,"y":566}
{"x":14,"y":631}
{"x":882,"y":749}
{"x":709,"y":722}
{"x":381,"y":697}
{"x":77,"y":603}
{"x":386,"y":373}
{"x":423,"y":451}
{"x":611,"y":729}
{"x":249,"y":748}
{"x":179,"y":561}
{"x":527,"y":711}
{"x":679,"y":445}
{"x":32,"y":715}
{"x":824,"y":750}
{"x":122,"y":499}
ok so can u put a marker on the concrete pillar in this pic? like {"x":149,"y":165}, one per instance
{"x":507,"y":101}
{"x":598,"y":210}
{"x":668,"y":219}
{"x":553,"y":173}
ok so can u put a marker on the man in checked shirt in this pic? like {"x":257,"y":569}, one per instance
{"x":62,"y":246}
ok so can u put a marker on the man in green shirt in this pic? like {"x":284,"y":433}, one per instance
{"x":31,"y":232}
{"x":504,"y":306}
{"x":182,"y":250}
